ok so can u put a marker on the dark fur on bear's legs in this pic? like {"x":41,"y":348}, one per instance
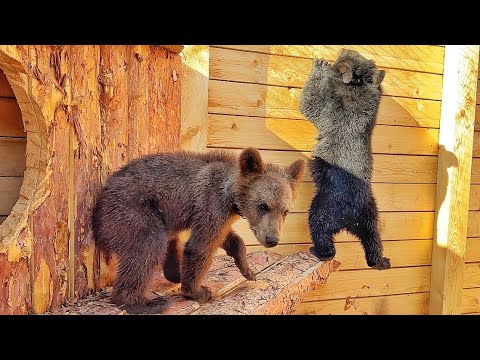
{"x":343,"y":201}
{"x":323,"y":226}
{"x":171,"y":267}
{"x":366,"y":228}
{"x":135,"y":271}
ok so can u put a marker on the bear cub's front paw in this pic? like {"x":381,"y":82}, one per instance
{"x":249,"y":274}
{"x":321,"y":63}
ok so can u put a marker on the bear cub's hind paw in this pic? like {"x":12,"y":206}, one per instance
{"x":383,"y":264}
{"x":202,"y":295}
{"x":323,"y":256}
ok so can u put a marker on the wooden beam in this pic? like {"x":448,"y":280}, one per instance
{"x":194,"y":106}
{"x":453,"y":177}
{"x":173,"y":48}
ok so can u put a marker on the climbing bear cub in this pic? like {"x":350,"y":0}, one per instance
{"x":145,"y":204}
{"x":342,"y":100}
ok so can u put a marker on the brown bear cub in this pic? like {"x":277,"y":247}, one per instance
{"x":145,"y":204}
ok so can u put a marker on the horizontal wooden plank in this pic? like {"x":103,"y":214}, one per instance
{"x":10,"y":118}
{"x":5,"y":88}
{"x":352,"y":257}
{"x":393,"y":226}
{"x":9,"y":193}
{"x":478,"y":92}
{"x":390,"y":197}
{"x":471,"y":300}
{"x":405,"y":304}
{"x":12,"y":160}
{"x":477,"y":117}
{"x":360,"y":283}
{"x":471,"y":275}
{"x":250,"y":67}
{"x":281,"y":134}
{"x":476,"y":144}
{"x":475,"y":179}
{"x":472,"y":251}
{"x":386,"y":168}
{"x":225,"y":97}
{"x":425,"y":58}
{"x":474,"y":197}
{"x":473,"y":228}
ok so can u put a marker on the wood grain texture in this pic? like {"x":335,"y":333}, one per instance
{"x":361,"y":283}
{"x":300,"y":135}
{"x":248,"y":67}
{"x":472,"y":253}
{"x":6,"y":90}
{"x":13,"y":161}
{"x":194,"y":106}
{"x":352,"y":257}
{"x":84,"y":62}
{"x":475,"y":178}
{"x":173,"y":48}
{"x":387,"y":168}
{"x":393,"y":226}
{"x":280,"y":102}
{"x":9,"y":193}
{"x":49,"y":223}
{"x":405,"y":304}
{"x":473,"y":229}
{"x":163,"y":100}
{"x":114,"y":120}
{"x":425,"y":58}
{"x":15,"y":286}
{"x":471,"y":300}
{"x":278,"y":289}
{"x":138,"y":57}
{"x":470,"y":275}
{"x":453,"y":179}
{"x":11,"y":118}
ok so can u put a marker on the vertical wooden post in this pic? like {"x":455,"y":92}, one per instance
{"x":194,"y":106}
{"x":453,"y":177}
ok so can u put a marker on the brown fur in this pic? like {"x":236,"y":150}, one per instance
{"x":144,"y":206}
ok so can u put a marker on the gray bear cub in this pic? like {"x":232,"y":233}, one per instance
{"x":341,"y":100}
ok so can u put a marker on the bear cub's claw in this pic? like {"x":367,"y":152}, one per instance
{"x":249,"y":275}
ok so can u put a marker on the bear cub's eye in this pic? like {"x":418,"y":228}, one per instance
{"x":264,"y":207}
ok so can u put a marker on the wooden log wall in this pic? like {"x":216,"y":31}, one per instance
{"x":87,"y":110}
{"x":253,"y":100}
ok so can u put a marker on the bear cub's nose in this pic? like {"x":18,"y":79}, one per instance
{"x":272,"y":241}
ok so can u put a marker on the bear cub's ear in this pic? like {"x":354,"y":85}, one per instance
{"x":296,"y":170}
{"x":251,"y":162}
{"x":378,"y":77}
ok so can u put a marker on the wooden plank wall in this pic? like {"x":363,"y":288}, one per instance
{"x":103,"y":106}
{"x":253,"y":100}
{"x":12,"y":148}
{"x":471,"y":279}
